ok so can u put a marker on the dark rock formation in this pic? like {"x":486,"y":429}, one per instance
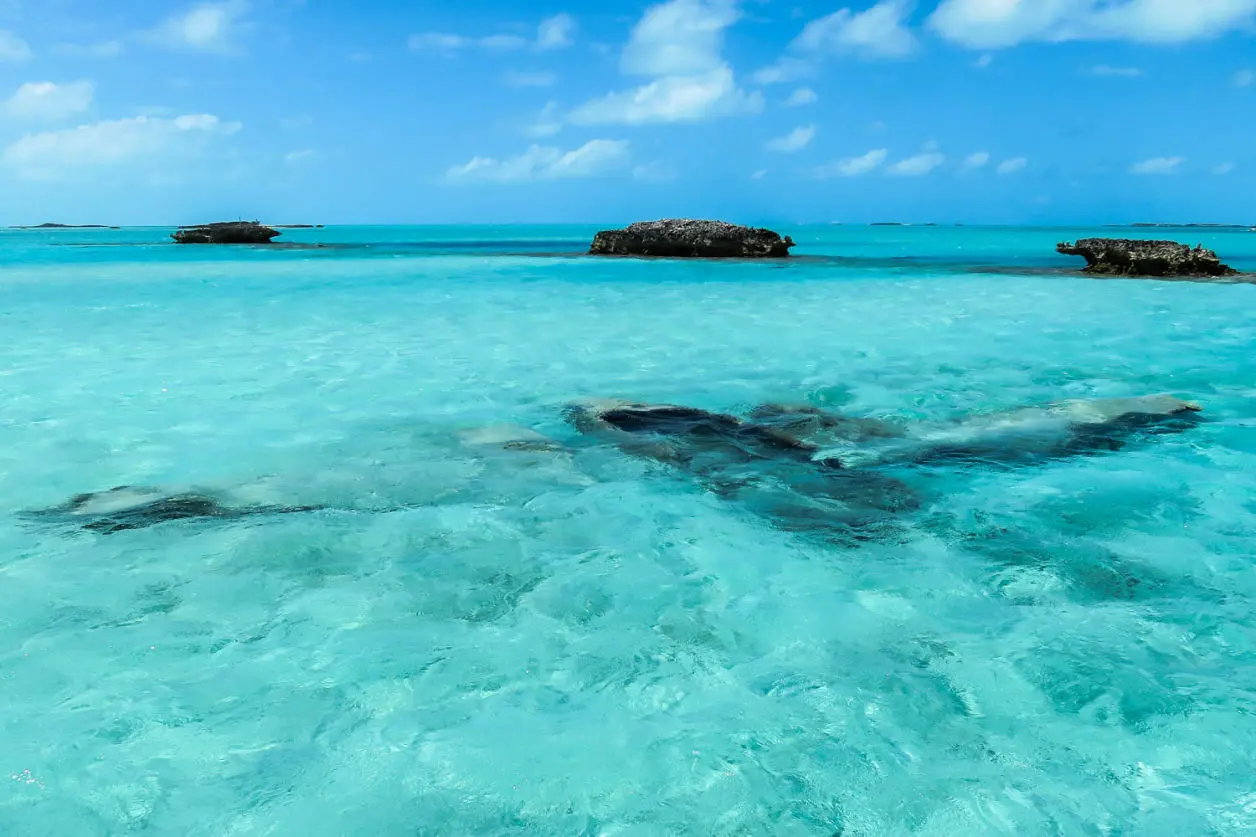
{"x":706,"y":434}
{"x":1136,"y":257}
{"x":126,"y":507}
{"x":814,"y":426}
{"x":684,"y":238}
{"x":762,"y":468}
{"x":779,"y":463}
{"x":230,"y":232}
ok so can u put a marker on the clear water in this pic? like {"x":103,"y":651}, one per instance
{"x":482,"y":643}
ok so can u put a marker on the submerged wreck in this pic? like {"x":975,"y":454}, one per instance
{"x":804,"y":469}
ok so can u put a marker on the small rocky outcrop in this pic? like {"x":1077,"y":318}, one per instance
{"x":230,"y":232}
{"x":685,"y":238}
{"x":1136,"y":257}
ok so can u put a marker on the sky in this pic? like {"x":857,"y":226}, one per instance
{"x":550,"y":111}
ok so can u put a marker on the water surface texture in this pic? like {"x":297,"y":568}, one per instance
{"x":471,"y":641}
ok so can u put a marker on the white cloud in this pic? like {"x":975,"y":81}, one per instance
{"x":1013,"y":165}
{"x":1122,"y":72}
{"x":56,"y":155}
{"x":989,"y":24}
{"x":207,"y":27}
{"x":13,"y":48}
{"x":993,"y":24}
{"x":678,"y":45}
{"x":919,"y":165}
{"x":759,"y":175}
{"x":595,"y":157}
{"x":786,"y":69}
{"x":451,"y":44}
{"x":653,"y":172}
{"x":976,"y":160}
{"x":1158,"y":165}
{"x":105,"y":49}
{"x":876,"y":32}
{"x":304,"y":155}
{"x":531,"y":79}
{"x":801,"y":96}
{"x":541,"y":130}
{"x":1171,"y":21}
{"x":552,"y":33}
{"x":854,"y":166}
{"x":204,"y":122}
{"x":48,"y":102}
{"x":547,"y":122}
{"x":1223,"y":169}
{"x":1245,"y":78}
{"x":555,"y":32}
{"x":672,"y":99}
{"x":795,"y":140}
{"x":985,"y":60}
{"x":679,"y":38}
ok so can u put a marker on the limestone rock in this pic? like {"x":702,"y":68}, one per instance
{"x":1136,"y":257}
{"x":685,"y":238}
{"x":230,"y":232}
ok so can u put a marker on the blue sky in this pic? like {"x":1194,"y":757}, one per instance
{"x":384,"y":111}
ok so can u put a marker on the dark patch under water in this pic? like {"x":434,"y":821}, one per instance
{"x":146,"y":513}
{"x":571,"y":249}
{"x":763,"y":464}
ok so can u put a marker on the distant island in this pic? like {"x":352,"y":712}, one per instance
{"x":54,"y":226}
{"x":51,"y":226}
{"x":1145,"y":225}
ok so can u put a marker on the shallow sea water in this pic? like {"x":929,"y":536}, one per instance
{"x":514,"y":643}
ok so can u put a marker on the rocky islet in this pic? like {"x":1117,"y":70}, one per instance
{"x":1152,"y":258}
{"x":227,"y":232}
{"x":689,"y":238}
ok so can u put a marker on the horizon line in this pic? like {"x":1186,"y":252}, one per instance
{"x":48,"y":225}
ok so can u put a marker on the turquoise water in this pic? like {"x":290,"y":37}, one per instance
{"x":480,"y":642}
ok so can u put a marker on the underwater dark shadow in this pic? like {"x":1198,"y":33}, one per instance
{"x":577,"y":250}
{"x":572,"y":249}
{"x":505,"y":248}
